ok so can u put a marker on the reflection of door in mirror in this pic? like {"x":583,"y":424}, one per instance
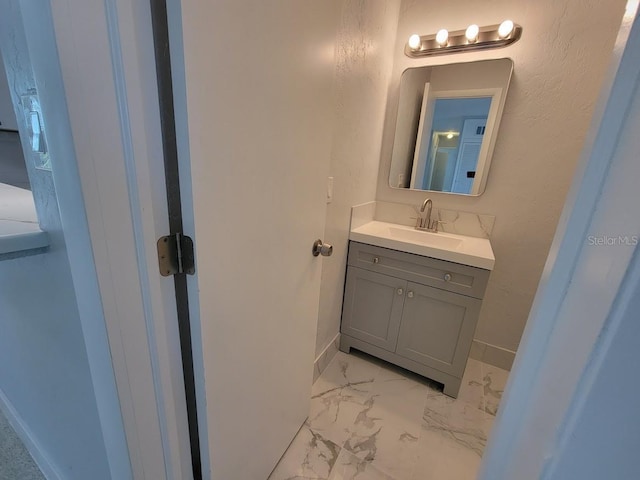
{"x":467,"y":161}
{"x":449,"y":144}
{"x":442,"y":155}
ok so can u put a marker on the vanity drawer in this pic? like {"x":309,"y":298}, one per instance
{"x":453,"y":277}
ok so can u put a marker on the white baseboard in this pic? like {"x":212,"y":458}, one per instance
{"x":496,"y":356}
{"x":325,"y":357}
{"x":39,"y":456}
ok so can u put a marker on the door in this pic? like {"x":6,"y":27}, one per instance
{"x":258,"y":78}
{"x":467,"y":162}
{"x":437,"y":327}
{"x":373,"y":307}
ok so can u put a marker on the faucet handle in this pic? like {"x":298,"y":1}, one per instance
{"x":438,"y":222}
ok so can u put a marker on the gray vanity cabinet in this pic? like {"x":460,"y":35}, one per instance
{"x":417,"y":312}
{"x":437,"y":328}
{"x":374,"y":309}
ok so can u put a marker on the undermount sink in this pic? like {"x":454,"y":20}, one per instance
{"x":472,"y":251}
{"x":425,"y":238}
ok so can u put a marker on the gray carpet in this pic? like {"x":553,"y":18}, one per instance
{"x":15,"y":461}
{"x":12,"y":168}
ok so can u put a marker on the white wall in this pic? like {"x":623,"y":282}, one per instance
{"x":558,"y":68}
{"x":44,"y":371}
{"x":44,"y":367}
{"x":570,"y":400}
{"x":363,"y":67}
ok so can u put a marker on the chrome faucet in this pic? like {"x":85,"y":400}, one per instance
{"x":423,"y":222}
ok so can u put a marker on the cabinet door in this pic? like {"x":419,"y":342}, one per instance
{"x":373,"y":307}
{"x":437,"y":328}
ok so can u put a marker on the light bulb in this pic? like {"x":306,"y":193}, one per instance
{"x":449,"y":135}
{"x":505,"y":29}
{"x":472,"y":33}
{"x":415,"y":41}
{"x":442,"y":36}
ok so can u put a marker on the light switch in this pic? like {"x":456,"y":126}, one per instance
{"x":35,"y":127}
{"x":35,"y":132}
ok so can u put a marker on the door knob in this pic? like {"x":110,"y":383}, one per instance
{"x":320,"y":248}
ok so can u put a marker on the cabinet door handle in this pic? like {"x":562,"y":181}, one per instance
{"x":376,"y":260}
{"x":447,"y":277}
{"x":400,"y":291}
{"x":410,"y":294}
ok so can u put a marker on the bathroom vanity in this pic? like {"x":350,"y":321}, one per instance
{"x":413,"y":295}
{"x":413,"y":298}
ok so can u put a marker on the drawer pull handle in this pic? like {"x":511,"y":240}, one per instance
{"x":376,"y":260}
{"x":447,"y":277}
{"x":410,"y":294}
{"x":400,"y":291}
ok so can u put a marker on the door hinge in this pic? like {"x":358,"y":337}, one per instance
{"x":175,"y":255}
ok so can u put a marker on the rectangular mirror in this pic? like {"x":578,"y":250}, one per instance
{"x":447,"y":124}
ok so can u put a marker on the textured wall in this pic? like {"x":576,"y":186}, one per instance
{"x":363,"y":65}
{"x":558,"y":66}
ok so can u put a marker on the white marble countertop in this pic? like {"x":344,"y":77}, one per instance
{"x":472,"y":251}
{"x":19,"y":228}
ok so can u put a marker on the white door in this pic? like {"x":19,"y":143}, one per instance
{"x":258,"y":78}
{"x":470,"y":145}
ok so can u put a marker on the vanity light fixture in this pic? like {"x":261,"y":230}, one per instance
{"x":414,"y":41}
{"x":442,"y":36}
{"x":471,"y":33}
{"x":505,"y":29}
{"x":472,"y":38}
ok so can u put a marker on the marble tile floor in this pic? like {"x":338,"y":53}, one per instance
{"x":370,"y":420}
